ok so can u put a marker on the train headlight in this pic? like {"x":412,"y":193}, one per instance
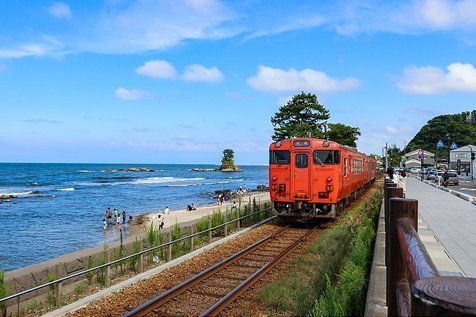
{"x":326,"y":143}
{"x":274,"y":178}
{"x":277,"y":144}
{"x":329,"y":179}
{"x":329,"y":188}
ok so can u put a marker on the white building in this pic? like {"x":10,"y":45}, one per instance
{"x":414,"y":159}
{"x":462,"y":157}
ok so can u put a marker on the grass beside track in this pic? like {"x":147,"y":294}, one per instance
{"x":330,"y":279}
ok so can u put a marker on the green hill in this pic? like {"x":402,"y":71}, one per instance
{"x":458,"y":128}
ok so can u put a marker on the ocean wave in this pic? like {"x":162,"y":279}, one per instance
{"x":188,"y":185}
{"x":230,"y":181}
{"x":207,"y":183}
{"x":158,"y":180}
{"x":137,"y":181}
{"x":19,"y":194}
{"x":85,"y":171}
{"x":69,"y":189}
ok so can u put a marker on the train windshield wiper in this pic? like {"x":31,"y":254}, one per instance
{"x":319,"y":160}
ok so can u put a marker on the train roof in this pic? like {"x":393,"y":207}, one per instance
{"x":350,"y":148}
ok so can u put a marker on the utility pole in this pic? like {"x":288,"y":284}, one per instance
{"x":449,"y":150}
{"x":386,"y":156}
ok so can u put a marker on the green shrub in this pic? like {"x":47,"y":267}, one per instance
{"x":152,"y":234}
{"x":80,"y":288}
{"x":135,"y":249}
{"x":3,"y":289}
{"x":329,"y":304}
{"x":152,"y":237}
{"x":217,"y":220}
{"x":52,"y":288}
{"x":182,"y":247}
{"x":347,"y":297}
{"x":90,"y":275}
{"x":120,"y":252}
{"x":101,"y":273}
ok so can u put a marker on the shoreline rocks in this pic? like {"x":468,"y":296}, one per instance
{"x":225,"y":170}
{"x":131,"y":169}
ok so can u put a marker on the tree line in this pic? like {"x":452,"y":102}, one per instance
{"x":304,"y":116}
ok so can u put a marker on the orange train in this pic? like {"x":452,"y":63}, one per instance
{"x":316,"y":178}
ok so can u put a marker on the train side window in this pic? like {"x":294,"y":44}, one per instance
{"x":345,"y":166}
{"x":301,"y":160}
{"x":279,"y":157}
{"x":326,"y":157}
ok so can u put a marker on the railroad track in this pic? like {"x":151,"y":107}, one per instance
{"x":209,"y":292}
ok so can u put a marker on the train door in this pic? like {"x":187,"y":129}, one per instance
{"x":301,"y":176}
{"x":346,"y":178}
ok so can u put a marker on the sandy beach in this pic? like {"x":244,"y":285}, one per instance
{"x":183,"y":216}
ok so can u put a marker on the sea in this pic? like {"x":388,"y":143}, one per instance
{"x":59,"y":208}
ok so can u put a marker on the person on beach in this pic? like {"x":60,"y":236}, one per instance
{"x":189,"y":207}
{"x":166,"y":210}
{"x":233,"y":206}
{"x":193,"y":207}
{"x":116,"y":214}
{"x":130,"y":220}
{"x":109,"y":213}
{"x":123,"y":216}
{"x":104,"y":223}
{"x":161,"y":224}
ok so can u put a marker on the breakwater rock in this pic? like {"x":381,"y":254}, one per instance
{"x":130,"y":169}
{"x":226,"y":170}
{"x":204,"y":169}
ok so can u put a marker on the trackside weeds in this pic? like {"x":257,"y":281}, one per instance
{"x":331,"y":278}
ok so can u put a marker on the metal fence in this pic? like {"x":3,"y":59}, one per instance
{"x":57,"y":284}
{"x":414,"y":286}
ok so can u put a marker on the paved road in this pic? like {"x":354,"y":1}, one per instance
{"x":451,"y":219}
{"x":465,"y":185}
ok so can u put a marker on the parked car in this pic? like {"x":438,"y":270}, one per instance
{"x":452,"y":180}
{"x":431,"y":175}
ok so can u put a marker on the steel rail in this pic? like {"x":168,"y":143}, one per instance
{"x":225,"y":301}
{"x":147,"y":307}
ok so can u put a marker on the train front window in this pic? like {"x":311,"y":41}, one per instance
{"x":326,"y":157}
{"x":301,"y":160}
{"x":279,"y":157}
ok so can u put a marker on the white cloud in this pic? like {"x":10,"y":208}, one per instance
{"x":275,"y":80}
{"x":157,"y":69}
{"x":60,"y":10}
{"x":138,"y":26}
{"x":446,"y":14}
{"x":433,"y":80}
{"x":294,"y":24}
{"x":24,"y":51}
{"x":401,"y":17}
{"x":391,"y":130}
{"x":49,"y":46}
{"x":200,"y":73}
{"x":132,"y":94}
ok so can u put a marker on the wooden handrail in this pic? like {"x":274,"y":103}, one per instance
{"x":414,"y":286}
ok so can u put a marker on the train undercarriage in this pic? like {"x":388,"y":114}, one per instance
{"x":304,"y":211}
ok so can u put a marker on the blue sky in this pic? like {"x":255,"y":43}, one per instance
{"x":179,"y":81}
